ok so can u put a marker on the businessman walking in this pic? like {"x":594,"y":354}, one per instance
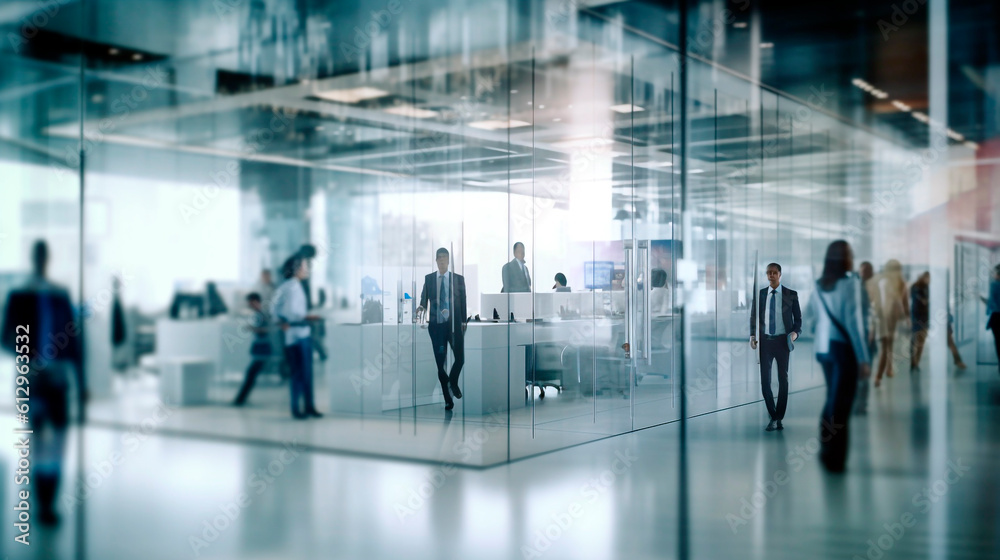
{"x":443,"y":295}
{"x":779,"y":320}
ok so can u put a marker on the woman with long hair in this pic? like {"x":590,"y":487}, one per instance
{"x":894,"y":305}
{"x":841,"y":348}
{"x":291,"y":310}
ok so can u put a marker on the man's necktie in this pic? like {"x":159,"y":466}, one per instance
{"x":772,"y":318}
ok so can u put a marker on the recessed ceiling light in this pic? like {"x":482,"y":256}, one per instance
{"x":766,"y":45}
{"x":740,"y":24}
{"x":900,"y":105}
{"x":955,"y":136}
{"x":352,"y":95}
{"x":585,"y":142}
{"x":496,"y":124}
{"x":411,"y":111}
{"x":136,"y":56}
{"x":541,"y":106}
{"x":626,"y":108}
{"x":112,"y":51}
{"x":557,"y":119}
{"x":513,"y":91}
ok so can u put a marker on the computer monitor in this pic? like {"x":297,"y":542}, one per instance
{"x":597,"y":275}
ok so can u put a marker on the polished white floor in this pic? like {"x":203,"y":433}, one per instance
{"x":323,"y":505}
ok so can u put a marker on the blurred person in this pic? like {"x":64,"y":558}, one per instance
{"x":265,"y":287}
{"x":869,"y":313}
{"x":45,"y":310}
{"x":260,"y":349}
{"x":443,"y":297}
{"x":216,"y":305}
{"x":779,"y":321}
{"x":308,"y":253}
{"x":316,"y":325}
{"x":836,"y":309}
{"x":515,"y":273}
{"x":993,"y":309}
{"x":120,"y":358}
{"x":290,"y":309}
{"x":893,"y":306}
{"x":560,"y":283}
{"x":920,"y":316}
{"x":659,"y":295}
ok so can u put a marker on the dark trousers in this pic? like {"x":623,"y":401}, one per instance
{"x":48,"y":417}
{"x":249,"y":379}
{"x":299,"y":356}
{"x":774,"y":349}
{"x":443,"y":334}
{"x":840,"y":368}
{"x":994,"y":325}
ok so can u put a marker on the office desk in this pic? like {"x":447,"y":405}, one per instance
{"x":371,"y":366}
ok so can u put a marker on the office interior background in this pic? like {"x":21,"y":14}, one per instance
{"x":164,"y":145}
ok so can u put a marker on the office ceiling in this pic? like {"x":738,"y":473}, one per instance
{"x":441,"y":102}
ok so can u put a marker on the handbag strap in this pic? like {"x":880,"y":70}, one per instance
{"x":829,"y":314}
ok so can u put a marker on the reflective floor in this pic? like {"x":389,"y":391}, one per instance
{"x":917,"y":485}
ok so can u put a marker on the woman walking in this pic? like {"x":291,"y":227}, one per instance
{"x":290,"y":308}
{"x":841,"y":348}
{"x":893,"y":307}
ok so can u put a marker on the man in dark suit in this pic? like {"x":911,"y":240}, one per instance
{"x":443,"y":296}
{"x":779,"y":320}
{"x":48,"y":344}
{"x":515,"y":273}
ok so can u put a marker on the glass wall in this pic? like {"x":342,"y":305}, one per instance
{"x":207,"y":152}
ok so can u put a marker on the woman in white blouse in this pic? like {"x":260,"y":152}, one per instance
{"x":841,"y":348}
{"x":290,"y":309}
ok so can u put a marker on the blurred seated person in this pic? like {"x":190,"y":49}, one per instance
{"x":659,"y":296}
{"x":260,"y":350}
{"x":216,"y":306}
{"x":560,"y":285}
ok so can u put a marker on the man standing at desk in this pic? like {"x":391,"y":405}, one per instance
{"x":515,"y":273}
{"x":444,"y":292}
{"x":779,"y":319}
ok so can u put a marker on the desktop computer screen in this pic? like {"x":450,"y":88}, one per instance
{"x":597,"y":275}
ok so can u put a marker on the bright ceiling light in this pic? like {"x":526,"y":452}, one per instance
{"x":585,"y":142}
{"x":352,"y":95}
{"x":626,"y":108}
{"x":972,"y":144}
{"x":411,"y":111}
{"x":955,"y":136}
{"x":497,"y":124}
{"x":901,"y":106}
{"x":693,"y":171}
{"x":740,"y":24}
{"x":767,"y":45}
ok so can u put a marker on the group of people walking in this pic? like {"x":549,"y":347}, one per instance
{"x":854,"y":318}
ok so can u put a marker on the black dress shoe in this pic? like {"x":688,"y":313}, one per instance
{"x":779,"y":426}
{"x":299,"y":415}
{"x":449,"y":405}
{"x":770,"y":427}
{"x":456,"y":391}
{"x":314,"y":413}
